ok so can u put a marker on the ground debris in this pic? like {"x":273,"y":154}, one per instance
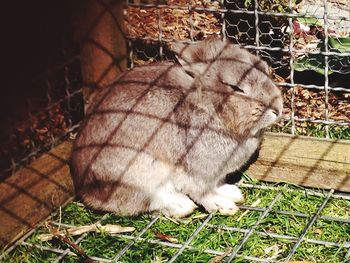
{"x":165,"y":237}
{"x":174,"y":24}
{"x":75,"y":231}
{"x":311,"y":104}
{"x":254,"y":204}
{"x":221,"y":257}
{"x":273,"y":250}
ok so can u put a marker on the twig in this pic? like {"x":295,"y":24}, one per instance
{"x":78,"y":249}
{"x":75,"y":231}
{"x":172,"y":220}
{"x":60,"y":218}
{"x":255,"y":204}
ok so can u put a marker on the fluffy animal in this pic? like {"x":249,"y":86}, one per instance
{"x":164,"y":136}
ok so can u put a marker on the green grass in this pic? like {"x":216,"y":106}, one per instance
{"x":313,"y":129}
{"x":77,"y":214}
{"x":319,"y":253}
{"x":330,"y":231}
{"x":102,"y":245}
{"x":283,"y":225}
{"x":212,"y":237}
{"x":24,"y":254}
{"x":266,"y":247}
{"x":301,"y":202}
{"x":144,"y":252}
{"x":337,"y":208}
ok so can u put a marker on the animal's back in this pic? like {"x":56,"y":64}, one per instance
{"x":128,"y":120}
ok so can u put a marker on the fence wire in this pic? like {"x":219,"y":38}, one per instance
{"x":238,"y":250}
{"x":51,"y":117}
{"x":307,"y":45}
{"x":308,"y":49}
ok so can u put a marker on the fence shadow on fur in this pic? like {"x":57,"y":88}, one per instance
{"x":53,"y":175}
{"x":100,"y":187}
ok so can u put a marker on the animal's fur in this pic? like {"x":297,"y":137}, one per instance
{"x":164,"y":136}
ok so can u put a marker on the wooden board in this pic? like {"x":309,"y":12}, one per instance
{"x":304,"y":161}
{"x":98,"y":27}
{"x":30,"y":195}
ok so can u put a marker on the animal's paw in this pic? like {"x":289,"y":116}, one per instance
{"x":231,"y":192}
{"x":179,"y":206}
{"x":173,"y":205}
{"x":215,"y":202}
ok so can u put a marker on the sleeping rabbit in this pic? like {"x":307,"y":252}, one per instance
{"x":164,"y":136}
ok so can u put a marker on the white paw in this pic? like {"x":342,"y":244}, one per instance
{"x":231,"y":192}
{"x":216,"y":202}
{"x":170,"y":202}
{"x":181,"y":206}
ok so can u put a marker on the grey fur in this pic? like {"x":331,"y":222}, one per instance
{"x":182,"y":125}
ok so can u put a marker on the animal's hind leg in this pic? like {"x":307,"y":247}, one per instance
{"x":170,"y":202}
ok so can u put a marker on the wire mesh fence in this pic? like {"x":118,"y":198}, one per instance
{"x":307,"y":44}
{"x":315,"y":227}
{"x":49,"y":118}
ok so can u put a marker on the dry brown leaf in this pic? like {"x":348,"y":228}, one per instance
{"x":318,"y":231}
{"x":166,"y":237}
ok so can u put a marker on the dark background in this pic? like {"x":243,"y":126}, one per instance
{"x":34,"y":36}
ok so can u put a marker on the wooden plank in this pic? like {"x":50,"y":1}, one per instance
{"x":98,"y":27}
{"x":31,"y":194}
{"x":304,"y":161}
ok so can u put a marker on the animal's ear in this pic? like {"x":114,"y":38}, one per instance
{"x":196,"y":58}
{"x":191,"y":57}
{"x":260,"y":65}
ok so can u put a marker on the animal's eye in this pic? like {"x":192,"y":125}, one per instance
{"x":233,"y":87}
{"x":236,"y":88}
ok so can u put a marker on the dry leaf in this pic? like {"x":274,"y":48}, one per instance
{"x":273,"y":251}
{"x":221,"y":257}
{"x":318,"y":231}
{"x":166,"y":237}
{"x":157,"y":260}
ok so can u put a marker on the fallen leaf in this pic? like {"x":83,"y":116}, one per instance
{"x":273,"y":251}
{"x":221,"y":257}
{"x":318,"y":231}
{"x":166,"y":237}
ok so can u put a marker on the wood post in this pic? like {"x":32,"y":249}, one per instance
{"x":100,"y":31}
